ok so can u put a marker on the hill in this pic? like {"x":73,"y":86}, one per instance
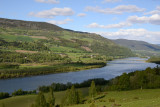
{"x":40,"y":45}
{"x":137,"y":45}
{"x":53,"y":36}
{"x":140,"y":48}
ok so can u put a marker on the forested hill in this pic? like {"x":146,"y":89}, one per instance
{"x":51,"y":37}
{"x":28,"y":25}
{"x":137,"y":45}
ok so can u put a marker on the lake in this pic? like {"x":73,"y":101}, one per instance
{"x":113,"y":69}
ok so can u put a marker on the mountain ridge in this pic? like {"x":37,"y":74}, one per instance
{"x":137,"y":45}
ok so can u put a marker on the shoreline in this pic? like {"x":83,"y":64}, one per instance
{"x":62,"y":68}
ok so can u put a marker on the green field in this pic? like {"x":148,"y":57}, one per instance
{"x":134,"y":98}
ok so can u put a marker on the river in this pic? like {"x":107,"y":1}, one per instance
{"x":113,"y":69}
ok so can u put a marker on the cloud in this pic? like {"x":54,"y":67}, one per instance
{"x":133,"y":34}
{"x":116,"y":10}
{"x":48,"y":1}
{"x":119,"y":25}
{"x":111,"y":1}
{"x":60,"y":22}
{"x":157,"y":11}
{"x":154,"y":19}
{"x":81,"y":14}
{"x":53,"y":12}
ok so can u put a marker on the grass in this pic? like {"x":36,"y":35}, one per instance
{"x":16,"y":38}
{"x":64,"y":49}
{"x":134,"y":98}
{"x":27,"y":100}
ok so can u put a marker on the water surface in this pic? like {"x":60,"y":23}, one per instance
{"x":113,"y":69}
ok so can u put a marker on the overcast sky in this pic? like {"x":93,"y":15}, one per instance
{"x":113,"y":19}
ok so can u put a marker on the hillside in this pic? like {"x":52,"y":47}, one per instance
{"x":140,"y":48}
{"x":15,"y":33}
{"x":137,"y":45}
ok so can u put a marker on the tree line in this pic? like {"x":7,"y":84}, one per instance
{"x":145,"y":79}
{"x":62,"y":87}
{"x":72,"y":96}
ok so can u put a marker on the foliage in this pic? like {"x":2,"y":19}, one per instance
{"x":4,"y":95}
{"x":40,"y":101}
{"x":51,"y":98}
{"x":145,"y":79}
{"x":14,"y":57}
{"x":92,"y":90}
{"x":72,"y":97}
{"x":62,"y":87}
{"x":21,"y":92}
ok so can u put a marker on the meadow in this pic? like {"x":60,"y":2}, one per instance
{"x":134,"y":98}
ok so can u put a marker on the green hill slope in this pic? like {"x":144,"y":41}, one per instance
{"x":137,"y":45}
{"x":140,"y":48}
{"x":56,"y":39}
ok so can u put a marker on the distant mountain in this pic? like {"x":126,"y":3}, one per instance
{"x":137,"y":45}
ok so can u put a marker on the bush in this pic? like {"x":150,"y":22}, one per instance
{"x":4,"y":95}
{"x":21,"y":92}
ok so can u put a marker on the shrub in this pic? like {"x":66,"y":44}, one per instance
{"x":4,"y":95}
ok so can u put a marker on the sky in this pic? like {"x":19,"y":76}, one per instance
{"x":113,"y":19}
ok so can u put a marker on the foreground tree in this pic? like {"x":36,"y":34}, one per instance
{"x":92,"y":90}
{"x":72,"y":97}
{"x":40,"y":101}
{"x":51,"y":100}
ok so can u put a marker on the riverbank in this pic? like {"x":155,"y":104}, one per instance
{"x":47,"y":69}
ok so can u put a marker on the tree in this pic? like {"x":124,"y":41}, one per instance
{"x":72,"y":96}
{"x":92,"y":90}
{"x":41,"y":101}
{"x":123,"y":82}
{"x":79,"y":96}
{"x":51,"y":98}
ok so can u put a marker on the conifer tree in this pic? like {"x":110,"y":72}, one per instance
{"x":92,"y":90}
{"x":72,"y":96}
{"x":51,"y":98}
{"x":41,"y":101}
